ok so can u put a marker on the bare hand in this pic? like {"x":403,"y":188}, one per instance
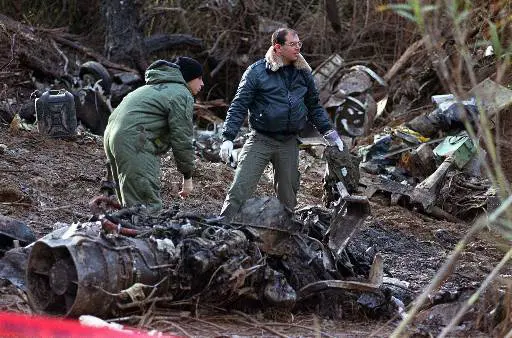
{"x":187,"y":188}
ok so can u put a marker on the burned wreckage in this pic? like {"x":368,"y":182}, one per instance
{"x":266,"y":256}
{"x":123,"y":260}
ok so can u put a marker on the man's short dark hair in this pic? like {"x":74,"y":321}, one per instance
{"x":279,"y":36}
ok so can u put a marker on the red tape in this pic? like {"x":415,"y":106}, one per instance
{"x":20,"y":325}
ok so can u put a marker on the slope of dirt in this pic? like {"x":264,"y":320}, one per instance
{"x":44,"y":181}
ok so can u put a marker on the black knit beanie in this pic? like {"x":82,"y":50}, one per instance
{"x":190,"y":68}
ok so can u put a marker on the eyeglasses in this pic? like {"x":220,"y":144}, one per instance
{"x":294,"y":44}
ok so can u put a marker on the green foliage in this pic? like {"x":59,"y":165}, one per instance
{"x":501,"y":51}
{"x":459,"y":16}
{"x":413,"y":10}
{"x":459,"y":11}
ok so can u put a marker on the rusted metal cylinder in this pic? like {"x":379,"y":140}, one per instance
{"x":72,"y":272}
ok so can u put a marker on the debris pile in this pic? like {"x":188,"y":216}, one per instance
{"x":265,"y":258}
{"x":413,"y":161}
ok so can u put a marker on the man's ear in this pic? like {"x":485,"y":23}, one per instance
{"x":277,"y":48}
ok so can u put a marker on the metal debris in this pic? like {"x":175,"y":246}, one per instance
{"x":13,"y":230}
{"x":266,"y":254}
{"x":348,"y":95}
{"x":403,"y":154}
{"x":341,"y":167}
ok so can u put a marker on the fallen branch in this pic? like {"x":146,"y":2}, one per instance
{"x":315,"y":330}
{"x":212,"y":50}
{"x":100,"y":58}
{"x":144,"y":302}
{"x":255,"y":323}
{"x":404,"y":58}
{"x":16,"y":203}
{"x":66,"y":60}
{"x":208,"y":323}
{"x":10,"y":74}
{"x":12,"y":53}
{"x":33,"y":62}
{"x":441,"y":214}
{"x":218,"y":68}
{"x":175,"y":326}
{"x":123,"y":319}
{"x":24,"y":297}
{"x":148,"y":313}
{"x":162,"y":42}
{"x":206,"y":332}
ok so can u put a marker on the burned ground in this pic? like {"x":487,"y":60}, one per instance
{"x":46,"y":181}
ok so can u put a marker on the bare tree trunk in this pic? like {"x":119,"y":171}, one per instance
{"x":331,"y":7}
{"x":123,"y":36}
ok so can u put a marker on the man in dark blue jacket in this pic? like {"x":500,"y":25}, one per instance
{"x":279,"y":94}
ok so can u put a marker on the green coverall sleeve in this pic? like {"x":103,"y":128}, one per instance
{"x":181,"y":133}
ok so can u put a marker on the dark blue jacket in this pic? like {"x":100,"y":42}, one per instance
{"x":278,"y":102}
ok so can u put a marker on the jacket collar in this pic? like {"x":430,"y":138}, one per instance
{"x":274,"y":62}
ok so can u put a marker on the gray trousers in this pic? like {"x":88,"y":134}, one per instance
{"x":257,"y":152}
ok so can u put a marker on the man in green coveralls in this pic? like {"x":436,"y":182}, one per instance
{"x":147,"y":123}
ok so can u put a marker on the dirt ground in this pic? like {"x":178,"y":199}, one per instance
{"x":45,"y":181}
